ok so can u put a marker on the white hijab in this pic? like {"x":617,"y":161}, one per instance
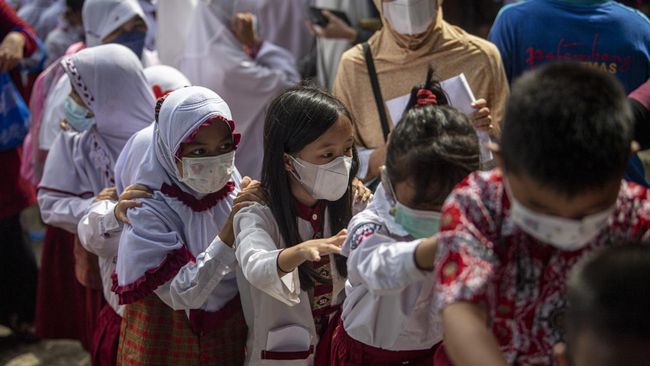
{"x":102,"y":17}
{"x":110,"y":81}
{"x":214,"y":58}
{"x":153,"y":248}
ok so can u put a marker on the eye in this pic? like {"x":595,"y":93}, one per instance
{"x":227,"y":147}
{"x":197,"y":152}
{"x":328,"y":155}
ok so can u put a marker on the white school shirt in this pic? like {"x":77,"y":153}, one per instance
{"x":389,"y":301}
{"x":100,"y":232}
{"x":272,"y":303}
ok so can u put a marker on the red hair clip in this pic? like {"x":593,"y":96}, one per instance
{"x":426,"y":97}
{"x":159,"y":92}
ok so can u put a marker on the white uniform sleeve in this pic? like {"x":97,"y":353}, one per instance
{"x":257,"y":253}
{"x":195,"y":281}
{"x":278,"y":59}
{"x":62,"y":210}
{"x":99,"y":231}
{"x":384,"y":265}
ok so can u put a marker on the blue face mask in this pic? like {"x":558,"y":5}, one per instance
{"x":420,"y":224}
{"x":133,"y":40}
{"x":76,"y":116}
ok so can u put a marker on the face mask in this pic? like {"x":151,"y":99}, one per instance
{"x":410,"y":17}
{"x":420,"y":224}
{"x":564,"y":234}
{"x":76,"y":116}
{"x":133,"y":40}
{"x":208,"y":174}
{"x":324,"y":182}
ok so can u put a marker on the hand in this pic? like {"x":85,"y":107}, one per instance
{"x":481,"y":119}
{"x":251,"y":192}
{"x":11,"y":50}
{"x":361,"y":193}
{"x":244,"y":30}
{"x":377,"y":160}
{"x":64,"y":125}
{"x":311,"y":250}
{"x":127,"y":201}
{"x":108,"y":194}
{"x":336,"y":28}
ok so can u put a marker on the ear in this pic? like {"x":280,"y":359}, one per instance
{"x":288,"y":163}
{"x":496,"y":151}
{"x":559,"y":353}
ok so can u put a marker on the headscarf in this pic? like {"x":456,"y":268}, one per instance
{"x":110,"y":81}
{"x":215,"y":59}
{"x":401,"y":62}
{"x":103,"y":17}
{"x":166,"y":233}
{"x":164,"y":79}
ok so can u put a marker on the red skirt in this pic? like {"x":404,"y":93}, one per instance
{"x":347,"y":351}
{"x":106,"y":338}
{"x":64,"y":308}
{"x":154,"y":334}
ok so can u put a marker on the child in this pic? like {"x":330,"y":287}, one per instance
{"x":390,"y":319}
{"x":79,"y":170}
{"x":99,"y":229}
{"x":177,"y":253}
{"x":607,"y":316}
{"x":291,"y":278}
{"x":510,"y":236}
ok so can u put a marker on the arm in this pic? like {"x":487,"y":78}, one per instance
{"x":195,"y":281}
{"x":61,"y":209}
{"x":99,"y":231}
{"x":466,"y":328}
{"x":11,"y":22}
{"x":384,"y":265}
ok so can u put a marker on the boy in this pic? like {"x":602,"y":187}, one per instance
{"x":510,"y":236}
{"x":607,"y":317}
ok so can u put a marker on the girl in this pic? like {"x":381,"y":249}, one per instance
{"x":177,"y":253}
{"x":79,"y":170}
{"x":291,"y":278}
{"x":389,"y":319}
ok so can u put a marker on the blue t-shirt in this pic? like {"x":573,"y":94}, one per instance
{"x":604,"y":34}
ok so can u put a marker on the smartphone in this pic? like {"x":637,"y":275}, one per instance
{"x":317,"y":17}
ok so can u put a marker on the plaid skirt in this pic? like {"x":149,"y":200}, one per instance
{"x":154,"y":334}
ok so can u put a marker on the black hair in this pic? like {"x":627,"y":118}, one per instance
{"x":434,"y":144}
{"x":75,"y":5}
{"x":295,"y":119}
{"x":608,"y":295}
{"x":567,"y":126}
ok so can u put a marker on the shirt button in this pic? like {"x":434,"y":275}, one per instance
{"x":314,"y":217}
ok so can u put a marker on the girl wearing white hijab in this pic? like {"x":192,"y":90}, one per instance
{"x":177,"y":253}
{"x":99,"y":230}
{"x":111,"y":97}
{"x":214,"y":58}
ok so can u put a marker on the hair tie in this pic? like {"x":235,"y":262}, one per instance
{"x":426,"y":97}
{"x":158,"y":92}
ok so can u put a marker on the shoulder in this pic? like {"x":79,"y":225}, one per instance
{"x":474,"y":46}
{"x":353,"y":56}
{"x":514,"y":11}
{"x":362,"y":226}
{"x":635,"y":17}
{"x":633,"y":210}
{"x":254,"y":216}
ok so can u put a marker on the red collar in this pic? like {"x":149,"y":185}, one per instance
{"x":314,"y":215}
{"x":197,"y":205}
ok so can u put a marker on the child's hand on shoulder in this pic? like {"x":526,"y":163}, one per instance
{"x":128,"y":199}
{"x":360,"y":192}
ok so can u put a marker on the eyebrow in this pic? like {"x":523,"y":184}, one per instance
{"x":330,"y":144}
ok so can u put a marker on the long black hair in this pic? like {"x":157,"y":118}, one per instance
{"x":433,"y":143}
{"x":295,"y":119}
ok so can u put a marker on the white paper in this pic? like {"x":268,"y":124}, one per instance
{"x":460,"y":96}
{"x":289,"y":338}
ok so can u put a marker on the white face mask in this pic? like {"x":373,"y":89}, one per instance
{"x":410,"y":17}
{"x":208,"y":174}
{"x":324,"y":182}
{"x":564,"y":234}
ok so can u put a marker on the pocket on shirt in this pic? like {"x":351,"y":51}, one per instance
{"x":288,"y":342}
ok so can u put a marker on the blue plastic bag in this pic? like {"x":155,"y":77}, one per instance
{"x":14,"y":115}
